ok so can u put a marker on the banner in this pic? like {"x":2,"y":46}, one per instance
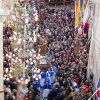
{"x":81,"y":3}
{"x":85,"y":20}
{"x":77,"y":12}
{"x":98,"y":92}
{"x":86,"y":14}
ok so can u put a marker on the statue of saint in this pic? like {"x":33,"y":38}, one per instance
{"x":43,"y":45}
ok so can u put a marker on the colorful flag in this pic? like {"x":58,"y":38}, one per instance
{"x":85,"y":21}
{"x":98,"y":92}
{"x":81,"y":2}
{"x":86,"y":14}
{"x":77,"y":12}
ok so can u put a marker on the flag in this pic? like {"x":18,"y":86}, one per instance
{"x":86,"y":27}
{"x":81,"y":3}
{"x":98,"y":92}
{"x":77,"y":12}
{"x":85,"y":21}
{"x":86,"y":14}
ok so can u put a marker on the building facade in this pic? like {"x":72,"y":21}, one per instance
{"x":94,"y":53}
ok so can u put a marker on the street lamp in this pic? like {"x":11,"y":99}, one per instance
{"x":2,"y":14}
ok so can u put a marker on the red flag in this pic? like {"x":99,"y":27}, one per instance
{"x":98,"y":86}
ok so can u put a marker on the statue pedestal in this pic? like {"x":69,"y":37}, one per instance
{"x":43,"y":62}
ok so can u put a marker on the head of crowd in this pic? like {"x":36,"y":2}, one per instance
{"x":66,"y":77}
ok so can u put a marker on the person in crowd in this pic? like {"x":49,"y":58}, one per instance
{"x":65,"y":79}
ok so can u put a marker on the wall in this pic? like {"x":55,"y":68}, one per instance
{"x":94,"y":54}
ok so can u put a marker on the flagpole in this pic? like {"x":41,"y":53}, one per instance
{"x":94,"y":93}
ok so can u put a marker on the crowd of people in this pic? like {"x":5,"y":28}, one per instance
{"x":67,"y":60}
{"x":65,"y":78}
{"x":10,"y":84}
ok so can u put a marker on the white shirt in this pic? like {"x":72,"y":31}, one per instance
{"x":45,"y":93}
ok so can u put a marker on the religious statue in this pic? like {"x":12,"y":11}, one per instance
{"x":43,"y":45}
